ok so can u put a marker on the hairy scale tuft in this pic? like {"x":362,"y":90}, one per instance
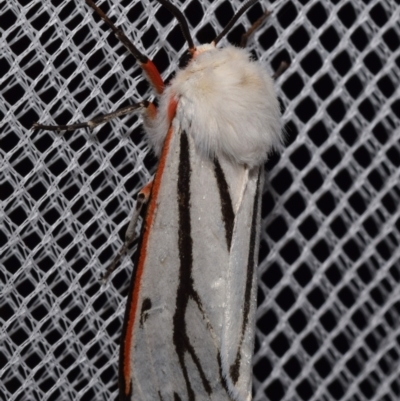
{"x":227,"y":103}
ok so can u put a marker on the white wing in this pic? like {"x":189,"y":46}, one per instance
{"x":189,"y":325}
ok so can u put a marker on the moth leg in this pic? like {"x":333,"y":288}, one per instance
{"x":283,"y":66}
{"x":145,"y":63}
{"x":91,"y":124}
{"x":254,"y":27}
{"x":130,"y":235}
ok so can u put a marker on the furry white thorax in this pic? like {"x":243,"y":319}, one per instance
{"x":226,"y":102}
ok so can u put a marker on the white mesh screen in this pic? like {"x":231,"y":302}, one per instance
{"x":328,"y":324}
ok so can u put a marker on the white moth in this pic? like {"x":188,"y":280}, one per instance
{"x":189,"y":323}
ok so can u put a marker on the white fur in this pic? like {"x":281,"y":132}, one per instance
{"x":227,"y":103}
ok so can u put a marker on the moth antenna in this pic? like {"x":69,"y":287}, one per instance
{"x":232,"y":22}
{"x":181,"y":20}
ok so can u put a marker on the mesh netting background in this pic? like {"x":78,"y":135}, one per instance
{"x":328,"y":324}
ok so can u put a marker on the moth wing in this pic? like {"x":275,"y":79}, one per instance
{"x":241,"y":286}
{"x":176,"y":348}
{"x":149,"y":365}
{"x":226,"y":212}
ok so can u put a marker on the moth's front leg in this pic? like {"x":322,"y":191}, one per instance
{"x":130,"y":235}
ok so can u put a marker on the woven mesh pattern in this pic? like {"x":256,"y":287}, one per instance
{"x":328,"y":324}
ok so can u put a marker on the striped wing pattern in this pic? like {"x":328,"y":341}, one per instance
{"x":191,"y":333}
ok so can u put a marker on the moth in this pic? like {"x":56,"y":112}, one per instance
{"x":189,"y":325}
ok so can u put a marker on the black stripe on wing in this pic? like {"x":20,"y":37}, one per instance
{"x":176,"y":397}
{"x":228,"y":215}
{"x":235,"y":367}
{"x":185,"y":289}
{"x":146,"y":306}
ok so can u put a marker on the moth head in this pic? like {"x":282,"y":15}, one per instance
{"x":203,"y":48}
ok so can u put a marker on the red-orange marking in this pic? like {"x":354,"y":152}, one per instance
{"x":155,"y":188}
{"x":172,"y":105}
{"x":154,"y":76}
{"x":151,"y":111}
{"x":146,"y":190}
